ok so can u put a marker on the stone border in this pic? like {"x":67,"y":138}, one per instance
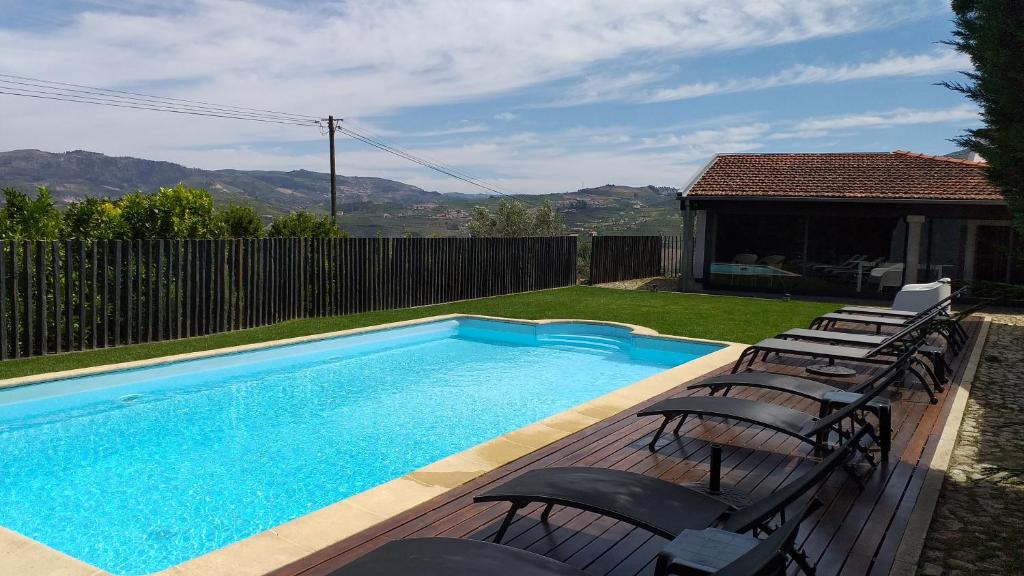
{"x":289,"y":542}
{"x":635,"y":330}
{"x":909,"y":553}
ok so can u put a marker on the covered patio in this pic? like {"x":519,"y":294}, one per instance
{"x":858,"y":224}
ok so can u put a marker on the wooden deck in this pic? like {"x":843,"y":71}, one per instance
{"x":857,"y":531}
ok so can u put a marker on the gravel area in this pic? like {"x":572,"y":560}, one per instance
{"x":653,"y":284}
{"x":978,"y":526}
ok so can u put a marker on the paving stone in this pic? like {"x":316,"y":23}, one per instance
{"x":977,"y":526}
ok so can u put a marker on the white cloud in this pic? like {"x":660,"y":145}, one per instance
{"x":935,"y":62}
{"x":605,"y":87}
{"x":366,"y":60}
{"x":898,"y":117}
{"x":591,"y":157}
{"x":460,"y":128}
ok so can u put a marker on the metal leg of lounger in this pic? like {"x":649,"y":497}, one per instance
{"x":679,"y":425}
{"x":924,"y":384}
{"x":938,"y":358}
{"x":657,"y":433}
{"x":507,"y":521}
{"x":885,"y":431}
{"x":546,"y":513}
{"x":739,"y":361}
{"x":800,"y":559}
{"x":936,"y":382}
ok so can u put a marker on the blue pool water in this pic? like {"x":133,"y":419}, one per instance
{"x":136,"y":471}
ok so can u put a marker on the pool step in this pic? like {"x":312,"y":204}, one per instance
{"x":584,"y":342}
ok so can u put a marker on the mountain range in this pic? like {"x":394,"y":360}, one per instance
{"x":367,"y":206}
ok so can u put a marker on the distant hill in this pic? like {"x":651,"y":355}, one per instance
{"x":369,"y":206}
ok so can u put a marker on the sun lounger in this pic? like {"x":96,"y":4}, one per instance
{"x":876,"y":311}
{"x":818,"y":267}
{"x":937,"y":371}
{"x":458,"y":557}
{"x":879,"y":317}
{"x":828,"y":397}
{"x":911,"y":335}
{"x":656,"y":505}
{"x":763,"y":558}
{"x":879,"y":311}
{"x":813,"y":429}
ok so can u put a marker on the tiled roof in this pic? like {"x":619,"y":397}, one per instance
{"x":895,"y":175}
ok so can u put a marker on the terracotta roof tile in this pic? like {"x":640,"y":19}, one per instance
{"x":896,"y":175}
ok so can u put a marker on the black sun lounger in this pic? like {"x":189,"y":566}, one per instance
{"x":456,"y":557}
{"x":937,"y":371}
{"x":812,"y":429}
{"x":910,"y":336}
{"x":828,"y":397}
{"x":887,"y":318}
{"x":656,"y":505}
{"x":876,"y":311}
{"x":828,"y":321}
{"x":879,"y":311}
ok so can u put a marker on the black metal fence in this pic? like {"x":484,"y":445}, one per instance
{"x":77,"y":295}
{"x":671,"y":255}
{"x":615,"y":258}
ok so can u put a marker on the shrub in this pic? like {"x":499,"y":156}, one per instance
{"x":95,"y":219}
{"x":25,"y":218}
{"x":241,"y":222}
{"x":302,"y":224}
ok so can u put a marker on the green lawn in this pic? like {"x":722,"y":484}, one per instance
{"x":729,"y":318}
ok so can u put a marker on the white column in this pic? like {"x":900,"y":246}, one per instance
{"x":700,"y":235}
{"x":913,"y":258}
{"x":970,"y":247}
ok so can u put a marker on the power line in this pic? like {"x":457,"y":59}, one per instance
{"x":125,"y":93}
{"x":49,"y":95}
{"x":377,"y":139}
{"x":418,"y":160}
{"x":36,"y":88}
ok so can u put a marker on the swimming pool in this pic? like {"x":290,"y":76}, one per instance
{"x":135,"y":471}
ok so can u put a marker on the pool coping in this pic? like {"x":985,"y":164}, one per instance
{"x":286,"y":543}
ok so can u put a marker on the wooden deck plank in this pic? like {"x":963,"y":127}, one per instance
{"x":856,"y":532}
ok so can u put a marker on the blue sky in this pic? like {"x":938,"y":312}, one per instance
{"x":533,"y":96}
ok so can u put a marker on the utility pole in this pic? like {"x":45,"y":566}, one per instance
{"x":334,"y":189}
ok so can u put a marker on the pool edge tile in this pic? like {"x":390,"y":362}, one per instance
{"x":326,"y":526}
{"x":253,"y":556}
{"x":24,"y":556}
{"x":395,"y":496}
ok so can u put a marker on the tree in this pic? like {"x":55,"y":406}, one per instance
{"x":547,"y":222}
{"x":170,"y":213}
{"x":95,"y":219}
{"x":991,"y":32}
{"x":302,"y":224}
{"x":241,"y":222}
{"x":482,"y":223}
{"x":25,"y":218}
{"x":513,"y":219}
